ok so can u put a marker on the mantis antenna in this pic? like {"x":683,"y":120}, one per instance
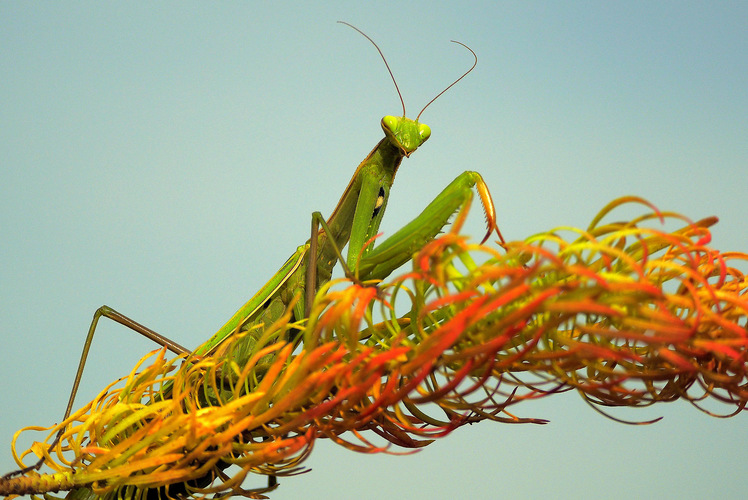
{"x":454,"y":82}
{"x":475,"y":56}
{"x":383,"y":59}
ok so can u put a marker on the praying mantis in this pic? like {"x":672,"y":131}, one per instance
{"x":354,"y":222}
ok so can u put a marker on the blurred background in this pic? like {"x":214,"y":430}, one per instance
{"x":165,"y":160}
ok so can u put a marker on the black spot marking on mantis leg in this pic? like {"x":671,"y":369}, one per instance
{"x":379,"y":203}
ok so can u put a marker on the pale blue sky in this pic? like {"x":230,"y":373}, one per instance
{"x":165,"y":161}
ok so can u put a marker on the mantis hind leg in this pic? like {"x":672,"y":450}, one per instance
{"x":110,"y":313}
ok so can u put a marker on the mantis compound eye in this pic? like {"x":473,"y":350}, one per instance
{"x":424,"y":131}
{"x":390,"y":123}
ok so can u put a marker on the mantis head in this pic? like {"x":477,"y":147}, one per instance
{"x":405,"y":134}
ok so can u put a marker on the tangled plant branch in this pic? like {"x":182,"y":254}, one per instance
{"x":625,"y":313}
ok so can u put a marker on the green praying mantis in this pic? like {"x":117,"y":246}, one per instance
{"x":354,"y":222}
